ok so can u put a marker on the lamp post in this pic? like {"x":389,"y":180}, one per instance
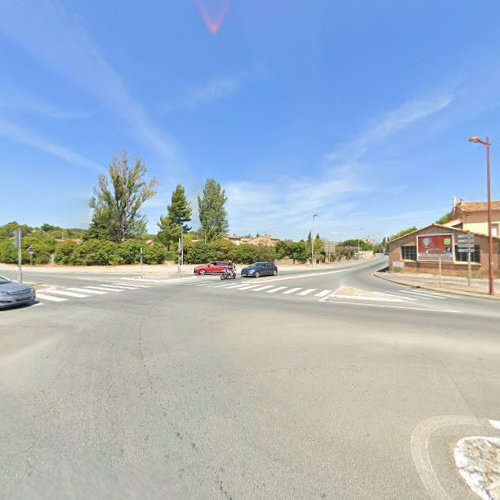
{"x":312,"y":240}
{"x":487,"y":143}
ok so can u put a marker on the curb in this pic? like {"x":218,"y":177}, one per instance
{"x":436,"y":289}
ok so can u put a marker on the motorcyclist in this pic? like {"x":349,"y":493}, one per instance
{"x":231,"y":268}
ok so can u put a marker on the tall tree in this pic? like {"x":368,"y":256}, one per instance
{"x":118,"y":198}
{"x":178,"y":213}
{"x":213,"y":214}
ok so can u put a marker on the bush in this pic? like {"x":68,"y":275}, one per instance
{"x":64,"y":250}
{"x":130,"y":251}
{"x":154,"y":254}
{"x":200,"y":253}
{"x":8,"y":252}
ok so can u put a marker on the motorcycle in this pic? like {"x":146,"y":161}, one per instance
{"x":228,"y":274}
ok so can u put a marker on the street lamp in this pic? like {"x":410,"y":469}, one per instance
{"x":487,"y":143}
{"x":312,"y":240}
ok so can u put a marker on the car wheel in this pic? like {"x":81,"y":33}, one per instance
{"x":275,"y":272}
{"x":257,"y":275}
{"x":202,"y":272}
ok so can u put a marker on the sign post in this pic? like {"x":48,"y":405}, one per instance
{"x":30,"y":251}
{"x":466,"y":243}
{"x":142,"y":272}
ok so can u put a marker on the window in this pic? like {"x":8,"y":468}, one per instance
{"x":495,"y":230}
{"x":409,"y":253}
{"x":475,"y":257}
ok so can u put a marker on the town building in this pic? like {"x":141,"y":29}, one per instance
{"x":473,"y":216}
{"x":266,"y":240}
{"x":434,"y":246}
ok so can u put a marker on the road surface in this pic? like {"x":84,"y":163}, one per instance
{"x":321,"y":384}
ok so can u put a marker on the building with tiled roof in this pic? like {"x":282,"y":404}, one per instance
{"x":473,"y":216}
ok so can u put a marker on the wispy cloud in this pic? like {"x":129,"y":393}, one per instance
{"x":23,"y":136}
{"x":44,"y":29}
{"x":215,"y":89}
{"x":20,"y":100}
{"x":408,"y":114}
{"x":335,"y":191}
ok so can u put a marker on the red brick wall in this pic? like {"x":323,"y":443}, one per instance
{"x":455,"y":269}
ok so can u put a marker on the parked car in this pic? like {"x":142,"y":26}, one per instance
{"x":13,"y":293}
{"x":215,"y":267}
{"x":260,"y":269}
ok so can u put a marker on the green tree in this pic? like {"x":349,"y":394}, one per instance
{"x":178,"y":213}
{"x":213,"y":214}
{"x":403,"y":232}
{"x":118,"y":198}
{"x":444,"y":219}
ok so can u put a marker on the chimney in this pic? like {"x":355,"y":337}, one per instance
{"x":454,"y":202}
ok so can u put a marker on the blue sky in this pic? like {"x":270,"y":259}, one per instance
{"x":357,"y":111}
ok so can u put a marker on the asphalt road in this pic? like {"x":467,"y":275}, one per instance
{"x":285,"y":387}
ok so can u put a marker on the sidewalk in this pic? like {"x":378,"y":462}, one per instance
{"x":162,"y":270}
{"x":450,"y":284}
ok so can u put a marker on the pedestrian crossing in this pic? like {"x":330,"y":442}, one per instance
{"x":58,"y":294}
{"x":410,"y":296}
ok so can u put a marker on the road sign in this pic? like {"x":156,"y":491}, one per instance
{"x":466,"y":238}
{"x":466,"y":250}
{"x":30,"y":250}
{"x":17,"y":238}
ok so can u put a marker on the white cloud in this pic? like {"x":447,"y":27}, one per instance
{"x":285,"y":206}
{"x":395,"y":121}
{"x":213,"y":90}
{"x":21,"y":135}
{"x":44,"y":29}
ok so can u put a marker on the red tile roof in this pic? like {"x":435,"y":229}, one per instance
{"x":477,"y":206}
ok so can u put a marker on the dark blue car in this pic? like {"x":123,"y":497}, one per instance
{"x":260,"y":269}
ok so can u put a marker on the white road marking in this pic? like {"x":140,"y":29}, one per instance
{"x":308,"y":291}
{"x":119,"y":287}
{"x":133,"y":285}
{"x":49,"y":298}
{"x":361,"y":304}
{"x":105,"y":289}
{"x":495,"y":424}
{"x":293,"y":290}
{"x":235,"y":286}
{"x":323,"y":293}
{"x":427,"y":295}
{"x":277,"y":289}
{"x":248,"y":287}
{"x":86,"y":290}
{"x":68,"y":294}
{"x":260,"y":288}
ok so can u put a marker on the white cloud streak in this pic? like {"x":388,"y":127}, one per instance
{"x":213,"y":90}
{"x":23,"y":136}
{"x":45,"y":30}
{"x":285,"y":206}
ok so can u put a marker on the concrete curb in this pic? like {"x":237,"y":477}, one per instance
{"x":465,"y":293}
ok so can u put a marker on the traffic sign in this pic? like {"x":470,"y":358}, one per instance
{"x":463,"y":238}
{"x":466,"y":250}
{"x":30,"y":250}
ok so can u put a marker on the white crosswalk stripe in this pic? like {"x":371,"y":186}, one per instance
{"x":293,"y":290}
{"x":106,"y":289}
{"x":93,"y":292}
{"x":308,"y":291}
{"x":65,"y":293}
{"x":248,"y":287}
{"x":132,"y":285}
{"x":44,"y":296}
{"x":261,"y":288}
{"x":426,"y":295}
{"x":278,"y":289}
{"x":119,"y":287}
{"x":323,"y":293}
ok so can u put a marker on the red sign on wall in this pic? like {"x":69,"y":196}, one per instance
{"x":433,"y":247}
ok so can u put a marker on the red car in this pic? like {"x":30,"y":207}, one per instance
{"x":215,"y":267}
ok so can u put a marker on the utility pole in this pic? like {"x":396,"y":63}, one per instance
{"x":141,"y":260}
{"x":18,"y":243}
{"x":312,"y":240}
